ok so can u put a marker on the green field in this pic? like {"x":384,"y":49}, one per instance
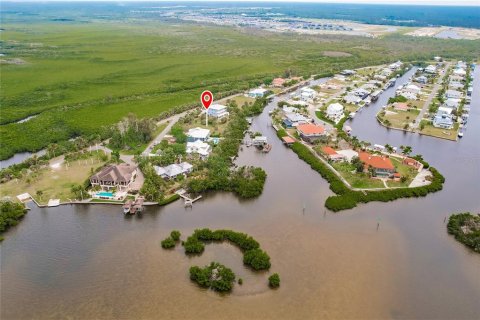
{"x":81,"y":77}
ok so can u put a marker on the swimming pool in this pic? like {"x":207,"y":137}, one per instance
{"x":105,"y":194}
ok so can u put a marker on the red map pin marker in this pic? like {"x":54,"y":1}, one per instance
{"x":206,"y":98}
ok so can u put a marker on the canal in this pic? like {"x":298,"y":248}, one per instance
{"x":92,"y":262}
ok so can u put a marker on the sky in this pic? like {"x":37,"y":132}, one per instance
{"x":409,"y":2}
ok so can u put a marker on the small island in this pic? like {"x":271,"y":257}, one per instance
{"x":214,"y":276}
{"x":466,"y":229}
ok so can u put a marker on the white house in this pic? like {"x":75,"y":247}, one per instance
{"x":395,"y":66}
{"x":199,"y":147}
{"x":174,"y":170}
{"x":453,"y":94}
{"x":218,"y":111}
{"x":452,"y":103}
{"x":408,"y":95}
{"x":431,"y":69}
{"x":352,"y":99}
{"x":421,"y":79}
{"x":412,"y":88}
{"x":257,"y":93}
{"x":307,"y":94}
{"x":444,"y":110}
{"x":437,"y":59}
{"x":335,"y":111}
{"x":455,"y":85}
{"x":444,"y":121}
{"x":293,"y":119}
{"x":195,"y":134}
{"x":459,"y":72}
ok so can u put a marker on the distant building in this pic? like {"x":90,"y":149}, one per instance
{"x":381,"y":165}
{"x":352,"y":99}
{"x":218,"y":111}
{"x":311,"y":132}
{"x":335,"y":111}
{"x":195,"y":134}
{"x":438,"y":59}
{"x":452,"y":103}
{"x":430,"y":69}
{"x":257,"y":93}
{"x":118,"y":176}
{"x":174,"y":170}
{"x":459,"y":72}
{"x":307,"y":94}
{"x":278,"y":82}
{"x":412,"y":88}
{"x":421,"y":79}
{"x":453,"y":94}
{"x":348,"y":72}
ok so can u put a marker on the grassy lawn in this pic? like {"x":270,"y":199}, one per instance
{"x":240,"y":100}
{"x":404,"y":170}
{"x":400,"y":118}
{"x":357,"y":180}
{"x":430,"y":130}
{"x":54,"y":183}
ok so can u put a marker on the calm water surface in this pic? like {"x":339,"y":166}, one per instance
{"x":92,"y":262}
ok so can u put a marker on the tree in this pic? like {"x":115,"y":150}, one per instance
{"x":406,"y":150}
{"x":389,"y":148}
{"x":274,"y":280}
{"x":78,"y":191}
{"x":39,"y":194}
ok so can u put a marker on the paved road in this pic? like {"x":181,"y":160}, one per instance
{"x":171,"y":121}
{"x":432,"y":95}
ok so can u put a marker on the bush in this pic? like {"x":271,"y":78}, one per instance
{"x":193,"y":245}
{"x":471,"y":237}
{"x":10,"y":214}
{"x":257,"y":259}
{"x":274,"y":280}
{"x":215,"y":276}
{"x":175,"y":235}
{"x":168,"y":243}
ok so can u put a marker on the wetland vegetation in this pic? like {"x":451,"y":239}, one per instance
{"x":85,"y":77}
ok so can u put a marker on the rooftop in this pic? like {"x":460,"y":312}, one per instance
{"x":377,"y":162}
{"x":310,"y":129}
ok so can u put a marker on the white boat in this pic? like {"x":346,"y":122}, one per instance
{"x":352,"y":115}
{"x":460,"y":134}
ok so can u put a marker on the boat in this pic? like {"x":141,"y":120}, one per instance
{"x":460,"y":134}
{"x":127,"y":206}
{"x":352,"y":115}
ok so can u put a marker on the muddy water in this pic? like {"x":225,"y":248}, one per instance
{"x":91,"y":262}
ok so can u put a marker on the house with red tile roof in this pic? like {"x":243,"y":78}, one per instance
{"x":412,"y":163}
{"x":278,"y":82}
{"x":382,"y":165}
{"x":311,"y":132}
{"x":331,"y":154}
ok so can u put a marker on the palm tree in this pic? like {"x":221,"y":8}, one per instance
{"x":389,"y":148}
{"x":407,"y":150}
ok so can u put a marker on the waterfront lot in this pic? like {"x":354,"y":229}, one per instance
{"x":54,"y":183}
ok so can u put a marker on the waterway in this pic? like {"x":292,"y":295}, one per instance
{"x":91,"y":262}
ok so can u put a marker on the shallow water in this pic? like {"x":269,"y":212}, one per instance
{"x":92,"y":262}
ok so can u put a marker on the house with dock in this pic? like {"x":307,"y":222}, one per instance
{"x":198,"y":134}
{"x":119,"y":176}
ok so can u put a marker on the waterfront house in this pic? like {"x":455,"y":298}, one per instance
{"x":444,"y":110}
{"x":352,"y":99}
{"x":260,"y":141}
{"x":195,"y":134}
{"x":119,"y":176}
{"x":311,"y":132}
{"x":453,"y":94}
{"x":430,"y":69}
{"x":452,"y":103}
{"x":293,"y":119}
{"x":174,"y":170}
{"x":331,"y":154}
{"x":278,"y":82}
{"x":335,"y":112}
{"x":257,"y":93}
{"x":382,"y":165}
{"x":217,"y":111}
{"x":199,"y":147}
{"x":443,"y":121}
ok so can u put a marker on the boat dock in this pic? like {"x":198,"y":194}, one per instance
{"x":188,"y":201}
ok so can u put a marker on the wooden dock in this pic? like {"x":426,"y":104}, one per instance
{"x":188,"y":201}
